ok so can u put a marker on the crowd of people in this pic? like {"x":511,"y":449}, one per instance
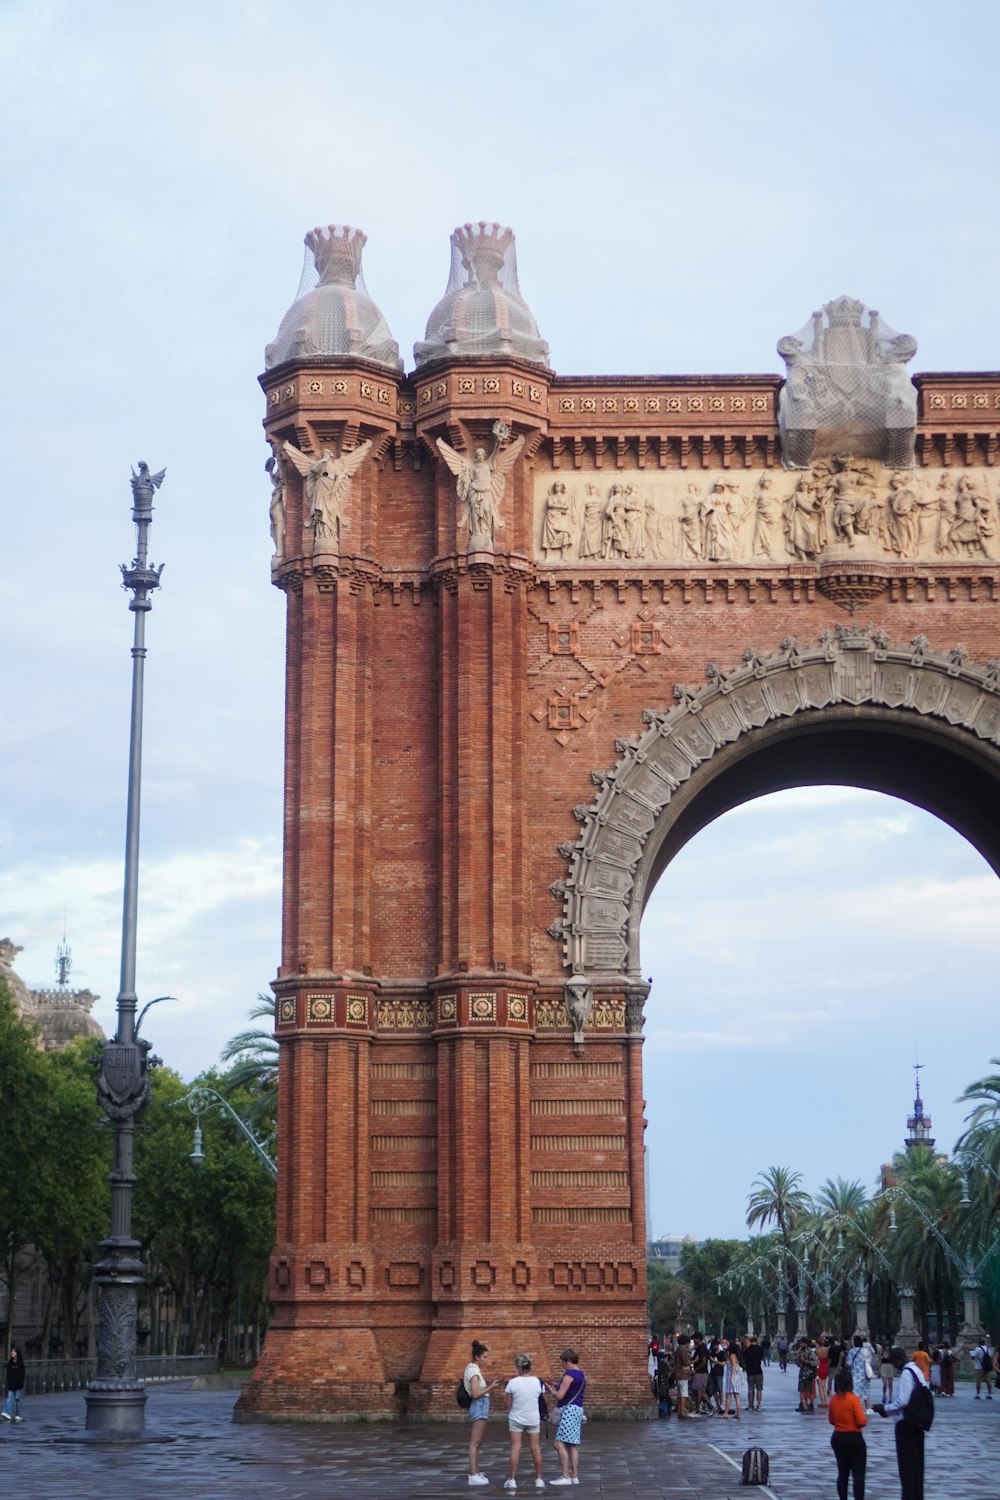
{"x":701,"y":1377}
{"x":695,"y":1376}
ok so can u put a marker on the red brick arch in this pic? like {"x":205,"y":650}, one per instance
{"x":461,"y":1125}
{"x":850,"y":680}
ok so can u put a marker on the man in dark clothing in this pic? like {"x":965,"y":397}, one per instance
{"x":909,"y":1439}
{"x":753,"y":1364}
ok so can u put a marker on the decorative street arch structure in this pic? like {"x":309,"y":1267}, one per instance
{"x":540,"y":630}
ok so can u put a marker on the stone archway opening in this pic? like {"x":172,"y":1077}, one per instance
{"x":851,"y":709}
{"x":805,"y":950}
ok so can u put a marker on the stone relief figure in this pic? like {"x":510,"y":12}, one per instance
{"x":720,"y":521}
{"x":275,"y":469}
{"x":614,"y":534}
{"x":559,"y":520}
{"x":635,"y":523}
{"x":767,"y":538}
{"x":690,"y":523}
{"x":327,"y":486}
{"x":592,"y":531}
{"x":901,"y":516}
{"x":971,"y":524}
{"x":805,"y":528}
{"x":945,"y":515}
{"x":842,"y":518}
{"x":481,"y":484}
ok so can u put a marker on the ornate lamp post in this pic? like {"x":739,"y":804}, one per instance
{"x":116,"y":1398}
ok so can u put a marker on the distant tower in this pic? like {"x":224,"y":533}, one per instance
{"x":64,"y":961}
{"x":918,"y":1125}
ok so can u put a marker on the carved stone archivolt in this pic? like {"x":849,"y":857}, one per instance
{"x":845,"y":510}
{"x":854,"y":665}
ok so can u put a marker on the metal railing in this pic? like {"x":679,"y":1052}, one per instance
{"x":45,"y":1376}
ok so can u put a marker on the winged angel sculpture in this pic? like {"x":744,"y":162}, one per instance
{"x":481,"y":483}
{"x":327,"y":486}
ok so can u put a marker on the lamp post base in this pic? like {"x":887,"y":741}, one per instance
{"x":116,"y":1410}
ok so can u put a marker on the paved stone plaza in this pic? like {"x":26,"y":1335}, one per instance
{"x":211,"y":1457}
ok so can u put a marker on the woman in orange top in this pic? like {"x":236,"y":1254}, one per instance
{"x":847,"y":1417}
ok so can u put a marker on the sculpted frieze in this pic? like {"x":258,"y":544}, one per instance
{"x":840,"y":509}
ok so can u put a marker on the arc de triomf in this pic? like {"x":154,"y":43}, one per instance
{"x":540,"y":630}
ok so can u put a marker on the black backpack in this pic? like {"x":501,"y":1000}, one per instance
{"x":756,"y":1466}
{"x":919,"y":1410}
{"x":462,"y":1395}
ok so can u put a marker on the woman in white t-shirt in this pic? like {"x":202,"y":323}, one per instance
{"x":476,"y":1384}
{"x":522,"y":1395}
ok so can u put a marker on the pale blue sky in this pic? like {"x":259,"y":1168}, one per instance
{"x":687,"y":182}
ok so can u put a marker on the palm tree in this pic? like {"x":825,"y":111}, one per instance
{"x":777,"y":1198}
{"x":986,"y":1115}
{"x":839,"y":1206}
{"x":841,"y":1198}
{"x":254,"y":1055}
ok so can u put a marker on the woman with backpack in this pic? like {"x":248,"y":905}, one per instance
{"x":478,"y":1391}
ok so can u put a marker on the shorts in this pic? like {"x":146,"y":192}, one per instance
{"x":480,"y":1409}
{"x":682,"y":1388}
{"x":755,"y":1382}
{"x":570,"y":1425}
{"x":515,"y":1426}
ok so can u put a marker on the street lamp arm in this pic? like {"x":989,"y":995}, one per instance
{"x":200,"y":1099}
{"x":855,"y":1228}
{"x":967,"y":1151}
{"x":899,"y":1192}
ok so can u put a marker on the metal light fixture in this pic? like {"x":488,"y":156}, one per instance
{"x":965,"y":1201}
{"x":197,"y":1155}
{"x":893,"y":1226}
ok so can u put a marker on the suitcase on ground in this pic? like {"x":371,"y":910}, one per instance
{"x":755,"y":1467}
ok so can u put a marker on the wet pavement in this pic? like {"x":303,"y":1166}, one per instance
{"x":211,"y":1457}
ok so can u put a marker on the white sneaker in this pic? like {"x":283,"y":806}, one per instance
{"x":478,"y":1479}
{"x":6,"y":1415}
{"x":539,"y":1484}
{"x":554,"y":1482}
{"x":510,"y":1484}
{"x":18,"y":1419}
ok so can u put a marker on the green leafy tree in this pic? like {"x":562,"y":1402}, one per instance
{"x":705,"y":1273}
{"x":69,"y":1180}
{"x":207,"y":1229}
{"x":22,"y":1128}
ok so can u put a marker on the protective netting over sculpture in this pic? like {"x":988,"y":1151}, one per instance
{"x":847,"y":389}
{"x":332,"y":312}
{"x":482,"y":310}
